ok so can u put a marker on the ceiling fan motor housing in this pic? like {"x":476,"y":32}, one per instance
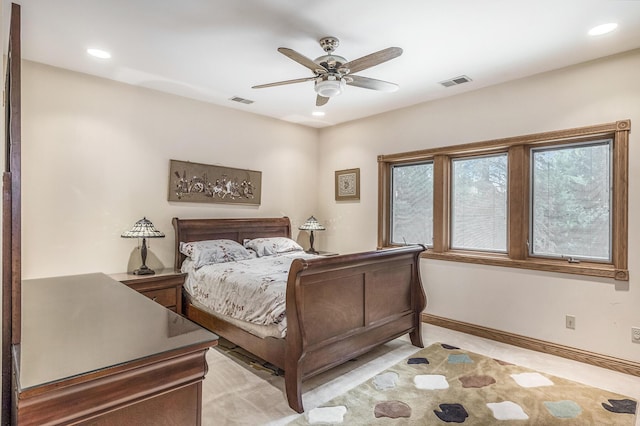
{"x":331,"y":62}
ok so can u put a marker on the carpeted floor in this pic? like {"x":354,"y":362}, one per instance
{"x":445,"y":384}
{"x":239,"y":392}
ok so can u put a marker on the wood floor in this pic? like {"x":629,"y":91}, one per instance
{"x":236,"y":394}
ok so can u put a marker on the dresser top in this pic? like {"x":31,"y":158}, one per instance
{"x":80,"y":324}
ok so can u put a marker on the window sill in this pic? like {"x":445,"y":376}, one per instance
{"x":549,"y":265}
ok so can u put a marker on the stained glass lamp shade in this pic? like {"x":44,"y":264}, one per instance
{"x":311,"y":224}
{"x":143,"y":229}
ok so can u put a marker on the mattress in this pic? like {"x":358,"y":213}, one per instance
{"x":279,"y":331}
{"x":250,"y":294}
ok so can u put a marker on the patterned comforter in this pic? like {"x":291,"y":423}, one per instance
{"x":252,"y":290}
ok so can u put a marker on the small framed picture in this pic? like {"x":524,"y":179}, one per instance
{"x":348,"y":184}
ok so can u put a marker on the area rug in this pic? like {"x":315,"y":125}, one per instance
{"x":444,"y":384}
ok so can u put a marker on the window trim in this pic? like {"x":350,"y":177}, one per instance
{"x":609,"y":143}
{"x":518,"y":150}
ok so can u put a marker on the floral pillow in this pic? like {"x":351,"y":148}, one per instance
{"x":214,"y":251}
{"x":271,"y":246}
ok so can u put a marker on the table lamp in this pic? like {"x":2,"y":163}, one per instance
{"x":311,"y":224}
{"x":143,"y":229}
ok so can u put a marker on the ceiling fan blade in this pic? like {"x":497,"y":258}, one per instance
{"x":373,"y":59}
{"x":282,"y":83}
{"x":302,"y":60}
{"x":371,"y":83}
{"x":321,"y":100}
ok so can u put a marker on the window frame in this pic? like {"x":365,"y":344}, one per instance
{"x":609,"y":143}
{"x":452,"y":160}
{"x":518,"y":149}
{"x":391,"y":189}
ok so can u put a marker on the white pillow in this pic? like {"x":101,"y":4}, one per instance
{"x":214,"y":251}
{"x":273,"y":245}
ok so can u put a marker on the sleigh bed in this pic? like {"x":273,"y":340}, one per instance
{"x":337,"y":307}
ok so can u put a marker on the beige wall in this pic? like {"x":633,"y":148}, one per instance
{"x":96,"y":153}
{"x":524,"y":302}
{"x":96,"y":159}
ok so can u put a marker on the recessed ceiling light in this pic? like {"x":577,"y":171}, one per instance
{"x":603,"y":29}
{"x":318,"y":113}
{"x":98,"y":53}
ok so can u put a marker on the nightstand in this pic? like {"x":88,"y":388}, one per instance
{"x":164,"y":287}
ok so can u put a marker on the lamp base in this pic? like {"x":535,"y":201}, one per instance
{"x":144,"y":270}
{"x":312,"y":251}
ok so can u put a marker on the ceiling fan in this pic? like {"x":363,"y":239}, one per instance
{"x":332,"y":72}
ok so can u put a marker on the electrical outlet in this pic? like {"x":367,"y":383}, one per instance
{"x":570,"y":321}
{"x":635,"y":334}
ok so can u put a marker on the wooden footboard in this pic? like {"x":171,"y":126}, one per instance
{"x":340,"y":307}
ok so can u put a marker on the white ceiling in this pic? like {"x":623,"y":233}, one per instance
{"x":213,"y":50}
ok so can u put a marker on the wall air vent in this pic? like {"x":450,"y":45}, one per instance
{"x":241,"y":100}
{"x":455,"y":81}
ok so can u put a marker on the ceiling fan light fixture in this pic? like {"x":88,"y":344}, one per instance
{"x":329,"y":87}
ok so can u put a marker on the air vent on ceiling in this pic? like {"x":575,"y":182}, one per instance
{"x":455,"y":81}
{"x":241,"y":100}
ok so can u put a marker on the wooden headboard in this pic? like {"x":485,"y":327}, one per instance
{"x":188,"y":230}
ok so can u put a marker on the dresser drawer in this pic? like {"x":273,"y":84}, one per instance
{"x":165,"y":297}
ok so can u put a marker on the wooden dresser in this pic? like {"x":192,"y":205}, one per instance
{"x":95,"y":351}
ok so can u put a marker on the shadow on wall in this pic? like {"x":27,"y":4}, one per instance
{"x":303,"y":239}
{"x":135,"y":259}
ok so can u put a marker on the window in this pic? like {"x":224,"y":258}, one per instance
{"x":571,"y":201}
{"x":479,"y":203}
{"x":554,"y":201}
{"x":412,"y":206}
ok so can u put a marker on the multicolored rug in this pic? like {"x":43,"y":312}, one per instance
{"x":444,"y":384}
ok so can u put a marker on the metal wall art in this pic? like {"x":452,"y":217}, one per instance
{"x":204,"y":183}
{"x":348,"y":184}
